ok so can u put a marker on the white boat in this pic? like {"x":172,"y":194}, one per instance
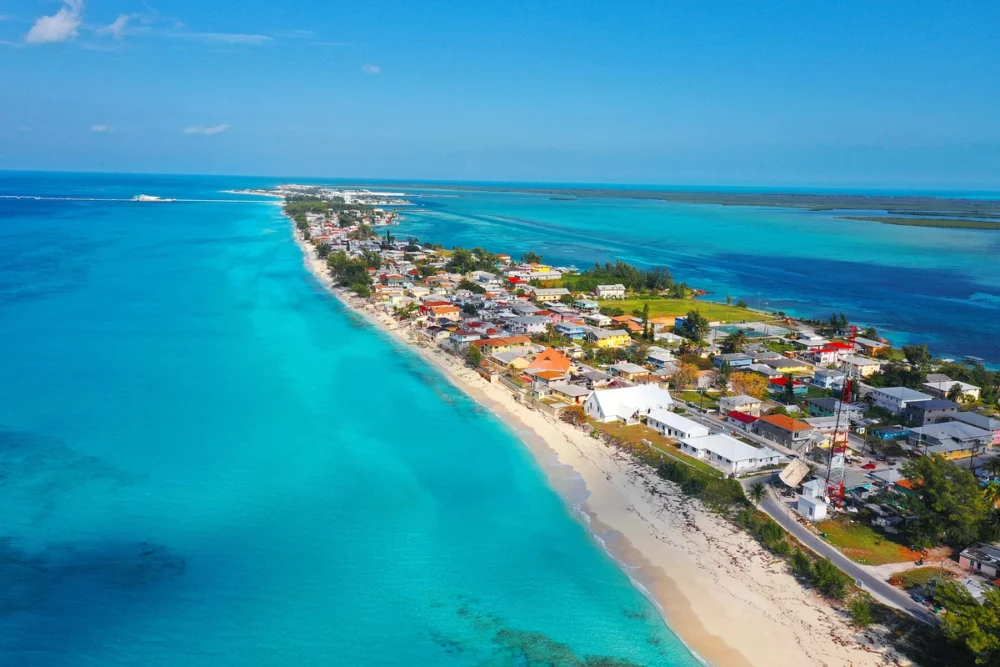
{"x":150,"y":198}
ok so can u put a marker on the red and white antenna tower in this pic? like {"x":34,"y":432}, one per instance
{"x":841,"y":431}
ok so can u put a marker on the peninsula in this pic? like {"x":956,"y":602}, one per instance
{"x":675,"y":416}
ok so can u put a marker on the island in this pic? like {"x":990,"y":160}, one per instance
{"x":688,"y":433}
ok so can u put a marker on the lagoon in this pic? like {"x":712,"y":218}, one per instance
{"x":207,"y":460}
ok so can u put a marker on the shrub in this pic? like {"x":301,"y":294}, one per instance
{"x":830,"y":581}
{"x":802,"y":566}
{"x":860,"y":609}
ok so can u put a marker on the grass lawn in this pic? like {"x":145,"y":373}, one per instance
{"x":660,"y":306}
{"x":863,"y":545}
{"x":919,"y":576}
{"x":692,"y":396}
{"x":636,"y":433}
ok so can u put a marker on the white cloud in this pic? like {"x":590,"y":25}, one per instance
{"x":60,"y":27}
{"x":371,"y":69}
{"x":223,"y":38}
{"x":101,"y":128}
{"x":206,"y":131}
{"x":116,"y":28}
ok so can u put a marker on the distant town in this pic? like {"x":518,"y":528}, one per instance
{"x":827,"y":429}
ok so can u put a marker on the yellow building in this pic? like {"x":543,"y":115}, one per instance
{"x":608,"y":338}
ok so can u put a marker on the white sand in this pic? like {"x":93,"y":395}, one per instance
{"x":728,"y":599}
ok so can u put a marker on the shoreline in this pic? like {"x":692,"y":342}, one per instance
{"x":717,"y":590}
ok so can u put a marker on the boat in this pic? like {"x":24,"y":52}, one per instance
{"x":148,"y":198}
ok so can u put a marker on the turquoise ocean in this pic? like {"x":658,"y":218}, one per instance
{"x":914,"y":284}
{"x":205,"y":460}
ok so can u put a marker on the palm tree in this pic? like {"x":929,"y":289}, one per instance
{"x":955,"y":393}
{"x":735,"y":342}
{"x":757,"y":492}
{"x":991,"y":492}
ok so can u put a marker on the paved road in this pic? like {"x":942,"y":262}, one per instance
{"x":879,"y":589}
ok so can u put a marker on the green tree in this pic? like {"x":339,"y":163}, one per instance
{"x":729,"y":300}
{"x":566,"y":299}
{"x":531,"y":258}
{"x":725,"y":374}
{"x":968,"y":622}
{"x":917,"y":356}
{"x":801,"y":565}
{"x":323,"y":250}
{"x":735,"y":342}
{"x":473,"y":356}
{"x":860,"y":609}
{"x":948,"y":504}
{"x":788,"y":392}
{"x":741,"y":304}
{"x":694,"y":326}
{"x":757,"y":492}
{"x":830,"y":581}
{"x":869,"y":332}
{"x":955,"y":393}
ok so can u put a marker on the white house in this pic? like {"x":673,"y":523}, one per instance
{"x":529,"y":324}
{"x":970,"y":392}
{"x":610,"y":291}
{"x":729,"y":453}
{"x":626,"y":404}
{"x":813,"y":509}
{"x":674,"y":425}
{"x":740,"y":403}
{"x":895,"y":399}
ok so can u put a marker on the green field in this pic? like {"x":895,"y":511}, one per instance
{"x":919,"y":576}
{"x":862,"y":544}
{"x":665,"y":306}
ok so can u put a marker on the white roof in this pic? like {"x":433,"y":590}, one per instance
{"x":628,"y":367}
{"x":729,"y":448}
{"x":740,"y":399}
{"x":607,"y":287}
{"x":569,"y":389}
{"x":677,"y":422}
{"x":903,"y":393}
{"x":948,"y":384}
{"x":627,"y":401}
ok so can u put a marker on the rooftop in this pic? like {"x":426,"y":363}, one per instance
{"x":786,"y":423}
{"x":729,"y":448}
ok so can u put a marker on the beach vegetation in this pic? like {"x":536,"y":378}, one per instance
{"x":952,"y":223}
{"x":612,"y":311}
{"x":829,"y":580}
{"x":323,"y":249}
{"x":742,"y":304}
{"x":801,"y":565}
{"x":464,"y":261}
{"x":860,"y":609}
{"x":473,"y":356}
{"x":947,"y":503}
{"x":757,"y":492}
{"x":920,"y":577}
{"x":634,"y":279}
{"x":972,"y":624}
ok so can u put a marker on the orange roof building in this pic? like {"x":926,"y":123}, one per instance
{"x":550,"y":359}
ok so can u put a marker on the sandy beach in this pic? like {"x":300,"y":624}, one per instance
{"x":729,"y":600}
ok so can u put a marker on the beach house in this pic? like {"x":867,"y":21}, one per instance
{"x":616,"y":291}
{"x":728,"y":453}
{"x":932,"y":411}
{"x":954,"y":440}
{"x":550,"y":359}
{"x":608,"y":337}
{"x":570,"y":330}
{"x":736,"y":360}
{"x":741,"y":420}
{"x":895,"y":399}
{"x":674,"y":425}
{"x":628,"y":403}
{"x":629,"y":371}
{"x":982,"y":559}
{"x":941,"y":388}
{"x":786,"y":431}
{"x":740,"y":403}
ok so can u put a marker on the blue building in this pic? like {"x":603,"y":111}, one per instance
{"x":572,"y":331}
{"x":735,"y":359}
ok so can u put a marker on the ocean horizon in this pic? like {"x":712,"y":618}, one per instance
{"x":209,"y":460}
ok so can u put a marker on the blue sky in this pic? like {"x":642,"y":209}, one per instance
{"x":859,"y":94}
